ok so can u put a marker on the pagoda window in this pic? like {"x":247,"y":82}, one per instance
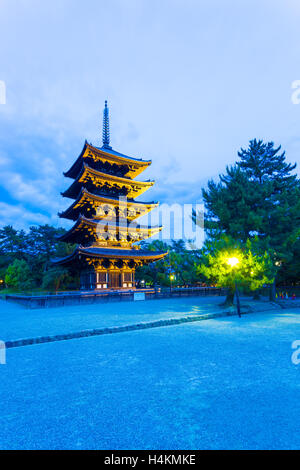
{"x":127,"y":279}
{"x":102,"y":277}
{"x":102,"y":280}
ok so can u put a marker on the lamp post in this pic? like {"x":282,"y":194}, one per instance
{"x":233,"y":262}
{"x":172,"y":277}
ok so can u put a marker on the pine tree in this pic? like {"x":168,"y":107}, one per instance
{"x":262,"y":162}
{"x":259,"y":198}
{"x":232,"y":205}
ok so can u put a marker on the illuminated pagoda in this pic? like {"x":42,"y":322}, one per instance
{"x":105,"y":212}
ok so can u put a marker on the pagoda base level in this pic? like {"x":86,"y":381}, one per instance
{"x":106,"y":280}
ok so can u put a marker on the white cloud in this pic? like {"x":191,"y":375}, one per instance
{"x":38,"y":193}
{"x":20,"y":217}
{"x":181,"y":79}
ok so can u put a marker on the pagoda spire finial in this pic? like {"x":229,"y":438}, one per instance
{"x":105,"y":130}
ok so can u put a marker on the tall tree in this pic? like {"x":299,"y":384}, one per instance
{"x":12,"y":241}
{"x":258,"y":197}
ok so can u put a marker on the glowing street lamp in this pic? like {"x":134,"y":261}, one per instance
{"x":233,"y":262}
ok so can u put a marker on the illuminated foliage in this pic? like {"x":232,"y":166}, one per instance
{"x":252,"y":271}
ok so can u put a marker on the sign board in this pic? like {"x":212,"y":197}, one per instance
{"x":139,"y":296}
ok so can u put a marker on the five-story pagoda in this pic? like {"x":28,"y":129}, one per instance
{"x":105,"y":213}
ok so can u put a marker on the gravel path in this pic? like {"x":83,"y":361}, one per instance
{"x":217,"y":384}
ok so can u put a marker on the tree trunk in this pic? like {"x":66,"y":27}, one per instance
{"x":238,"y":304}
{"x":256,"y":295}
{"x":272,"y":292}
{"x":229,"y":298}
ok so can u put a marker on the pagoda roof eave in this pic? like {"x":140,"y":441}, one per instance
{"x":115,"y":224}
{"x":109,"y":154}
{"x":114,"y":201}
{"x":114,"y":153}
{"x":96,"y":222}
{"x":105,"y":177}
{"x":94,"y":252}
{"x":87,"y":168}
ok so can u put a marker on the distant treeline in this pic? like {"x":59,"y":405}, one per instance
{"x":25,"y":261}
{"x":25,"y":258}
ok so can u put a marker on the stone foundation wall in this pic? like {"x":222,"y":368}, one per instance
{"x":83,"y":298}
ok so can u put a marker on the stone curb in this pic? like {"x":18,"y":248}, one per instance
{"x":121,"y":329}
{"x":287,"y":304}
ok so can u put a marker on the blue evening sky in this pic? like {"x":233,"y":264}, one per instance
{"x":188,"y":83}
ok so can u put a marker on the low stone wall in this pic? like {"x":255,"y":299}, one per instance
{"x":83,"y":298}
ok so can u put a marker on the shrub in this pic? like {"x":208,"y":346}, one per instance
{"x":18,"y":275}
